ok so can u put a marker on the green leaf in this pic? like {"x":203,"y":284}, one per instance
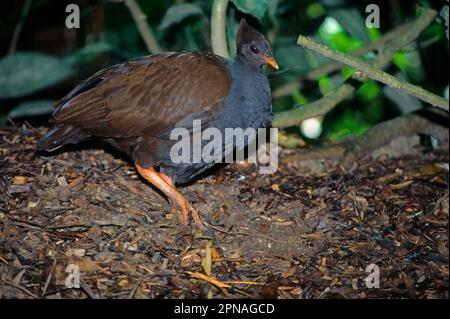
{"x":315,"y":10}
{"x":256,"y":8}
{"x":409,"y":62}
{"x":177,"y":13}
{"x":347,"y":124}
{"x":292,"y":58}
{"x":368,"y":91}
{"x":27,"y":72}
{"x":299,"y":98}
{"x":272,"y":6}
{"x":325,"y":85}
{"x":404,"y":102}
{"x":352,"y":21}
{"x":88,"y":53}
{"x":32,"y":108}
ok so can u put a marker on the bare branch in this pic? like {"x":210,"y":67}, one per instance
{"x":381,"y":134}
{"x":375,"y":74}
{"x":18,"y":29}
{"x":144,"y":29}
{"x":328,"y":102}
{"x":401,"y":31}
{"x":218,"y":34}
{"x":368,"y":47}
{"x":319,"y":107}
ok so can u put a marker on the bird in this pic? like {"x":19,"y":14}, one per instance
{"x":135,"y":105}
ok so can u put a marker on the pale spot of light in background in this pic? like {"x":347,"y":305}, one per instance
{"x":311,"y":128}
{"x":331,"y":26}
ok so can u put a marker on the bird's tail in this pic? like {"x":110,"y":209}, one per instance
{"x":59,"y":136}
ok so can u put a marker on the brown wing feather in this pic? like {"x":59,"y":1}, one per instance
{"x":146,"y":95}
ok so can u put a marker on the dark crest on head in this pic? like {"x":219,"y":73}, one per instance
{"x":247,"y":35}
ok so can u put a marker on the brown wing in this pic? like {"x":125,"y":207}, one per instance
{"x":146,"y":95}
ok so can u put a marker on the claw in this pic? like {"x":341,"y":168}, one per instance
{"x":166,"y":185}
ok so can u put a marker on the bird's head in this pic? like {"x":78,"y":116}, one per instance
{"x":253,"y":46}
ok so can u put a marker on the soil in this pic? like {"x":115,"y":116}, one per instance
{"x":303,"y":232}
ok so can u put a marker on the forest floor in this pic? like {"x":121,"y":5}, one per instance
{"x":307,"y":231}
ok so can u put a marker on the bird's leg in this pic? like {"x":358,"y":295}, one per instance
{"x":173,"y":209}
{"x":167,"y":186}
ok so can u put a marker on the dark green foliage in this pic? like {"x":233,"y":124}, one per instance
{"x":177,"y":13}
{"x":184,"y":25}
{"x":24,"y":73}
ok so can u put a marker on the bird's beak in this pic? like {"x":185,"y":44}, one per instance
{"x":271,"y":61}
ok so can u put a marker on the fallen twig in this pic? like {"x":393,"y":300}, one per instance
{"x":350,"y":151}
{"x":209,"y":279}
{"x":222,"y":284}
{"x":25,"y":290}
{"x":241,"y":233}
{"x":49,"y":277}
{"x":87,"y":290}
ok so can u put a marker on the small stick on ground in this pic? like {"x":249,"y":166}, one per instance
{"x":25,"y":290}
{"x":49,"y":277}
{"x":87,"y":290}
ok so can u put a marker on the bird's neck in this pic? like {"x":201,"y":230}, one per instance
{"x":244,"y":63}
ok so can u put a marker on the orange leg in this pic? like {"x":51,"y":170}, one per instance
{"x":166,"y":185}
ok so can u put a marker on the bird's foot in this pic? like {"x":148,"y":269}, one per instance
{"x":167,"y":186}
{"x":184,"y":210}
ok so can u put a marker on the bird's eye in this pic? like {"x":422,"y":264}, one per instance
{"x":254,"y":49}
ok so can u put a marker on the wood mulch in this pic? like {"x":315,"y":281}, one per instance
{"x":286,"y":235}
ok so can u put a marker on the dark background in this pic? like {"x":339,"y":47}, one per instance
{"x":108,"y":35}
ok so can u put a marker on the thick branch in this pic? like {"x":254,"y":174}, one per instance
{"x":144,"y":29}
{"x":379,"y":135}
{"x":218,"y":33}
{"x":320,"y":107}
{"x":383,"y":133}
